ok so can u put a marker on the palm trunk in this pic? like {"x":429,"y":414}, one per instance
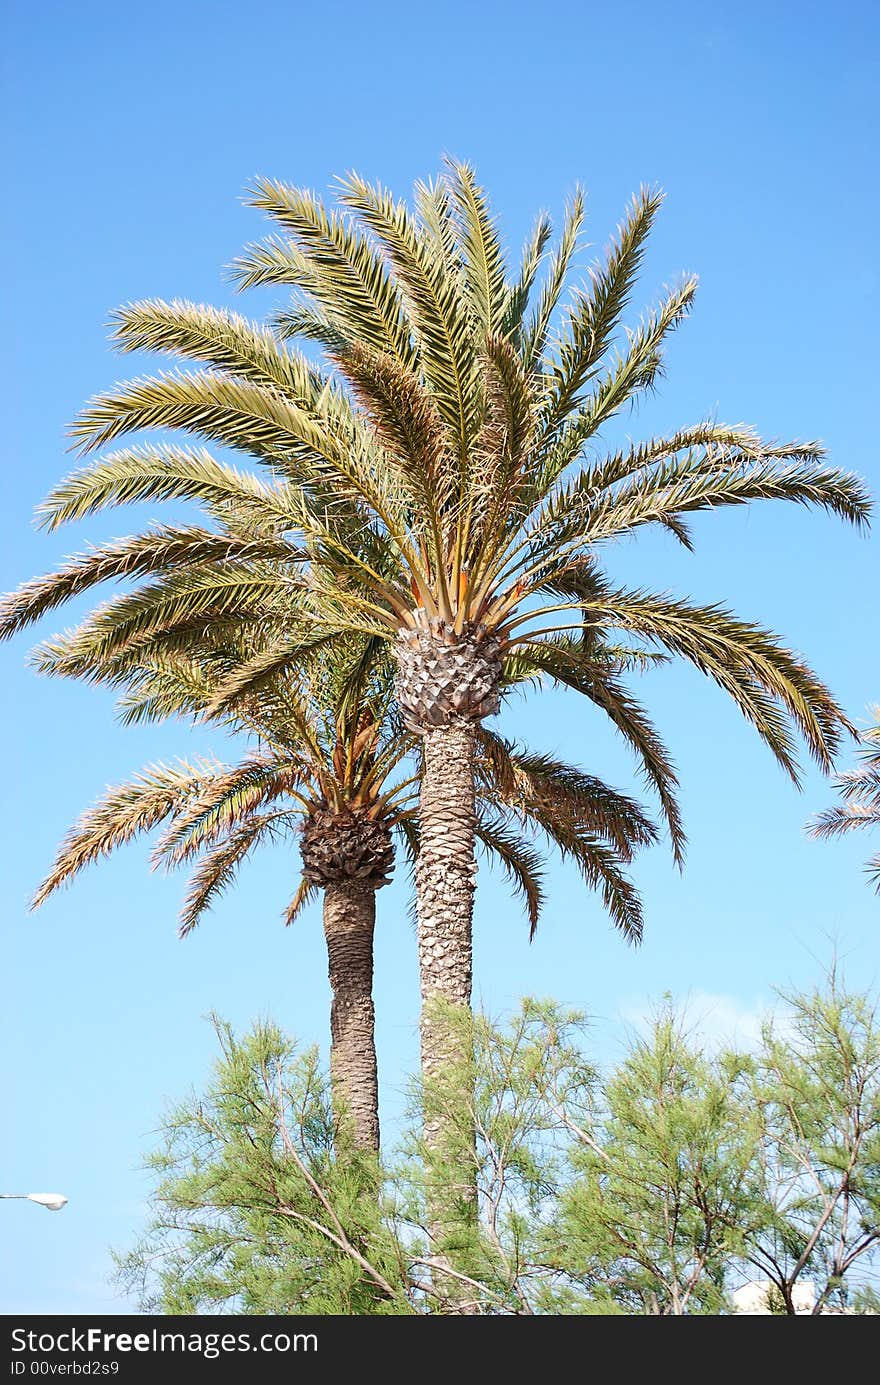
{"x":349,"y":921}
{"x":445,"y":888}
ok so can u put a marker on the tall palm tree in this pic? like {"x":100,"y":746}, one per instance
{"x":333,"y":769}
{"x":442,"y":489}
{"x":860,"y":790}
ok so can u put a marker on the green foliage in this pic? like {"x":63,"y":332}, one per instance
{"x":655,"y":1208}
{"x":655,"y":1188}
{"x":252,"y":1212}
{"x":816,"y":1184}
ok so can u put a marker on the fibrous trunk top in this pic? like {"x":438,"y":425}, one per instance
{"x":346,"y":845}
{"x":444,"y":676}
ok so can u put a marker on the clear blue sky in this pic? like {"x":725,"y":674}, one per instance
{"x":131,"y":133}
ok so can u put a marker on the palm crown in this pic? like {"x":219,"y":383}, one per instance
{"x":437,"y":480}
{"x":332,"y":767}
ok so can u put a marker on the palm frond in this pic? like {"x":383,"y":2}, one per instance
{"x":157,"y":687}
{"x":485,"y":273}
{"x":501,"y":457}
{"x":307,"y":323}
{"x":230,"y":797}
{"x":859,"y":789}
{"x":218,"y":868}
{"x":123,"y":813}
{"x":635,"y":370}
{"x":256,"y":673}
{"x":305,"y":894}
{"x":569,"y":663}
{"x":519,"y":291}
{"x":843,"y":818}
{"x":191,"y":599}
{"x":520,"y":861}
{"x":742,"y":658}
{"x":407,"y":423}
{"x":241,"y":415}
{"x":224,"y":340}
{"x":544,"y":791}
{"x":162,"y":472}
{"x":446,"y":348}
{"x":599,"y":865}
{"x":538,"y":327}
{"x":694,"y":483}
{"x":275,"y":260}
{"x":158,"y":550}
{"x":348,"y":278}
{"x":595,"y":314}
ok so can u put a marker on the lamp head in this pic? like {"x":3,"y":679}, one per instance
{"x":53,"y":1202}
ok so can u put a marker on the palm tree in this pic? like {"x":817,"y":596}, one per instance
{"x":332,"y":768}
{"x":441,"y":489}
{"x":860,"y":790}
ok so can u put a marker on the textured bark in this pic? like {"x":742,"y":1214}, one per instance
{"x":445,"y":884}
{"x":446,"y":865}
{"x":349,"y":922}
{"x":446,"y":683}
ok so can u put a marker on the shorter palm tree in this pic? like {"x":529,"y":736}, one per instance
{"x":333,"y":768}
{"x":328,"y":771}
{"x":860,"y":790}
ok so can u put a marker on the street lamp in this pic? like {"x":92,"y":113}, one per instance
{"x":53,"y":1202}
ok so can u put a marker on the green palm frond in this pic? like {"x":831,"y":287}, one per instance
{"x":713,"y":443}
{"x":157,"y":550}
{"x":288,"y":653}
{"x":569,"y":663}
{"x":544,"y":791}
{"x":346,"y":276}
{"x":859,"y":789}
{"x":162,"y":472}
{"x":520,"y":290}
{"x":188,"y":599}
{"x":742,"y":658}
{"x":78,"y":652}
{"x":225,"y":341}
{"x":222,"y":408}
{"x":537,"y":328}
{"x":520,"y":861}
{"x":599,"y":864}
{"x":124,"y":812}
{"x":219,"y":867}
{"x":275,"y":260}
{"x":230,"y":797}
{"x":485,"y":270}
{"x":407,"y":423}
{"x":447,"y":353}
{"x":635,"y":369}
{"x":595,"y":315}
{"x":438,"y":227}
{"x":691,"y":484}
{"x":157,"y":687}
{"x":305,"y":323}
